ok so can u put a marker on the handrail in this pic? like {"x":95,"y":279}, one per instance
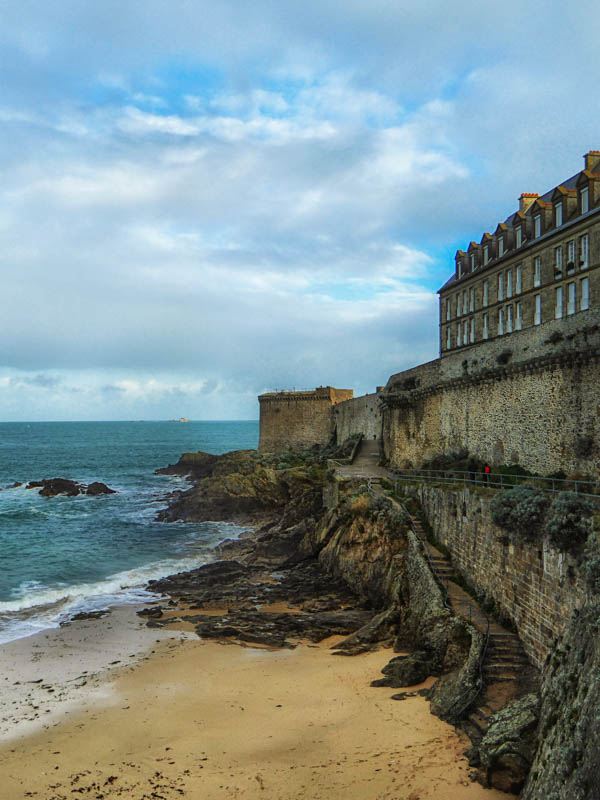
{"x":501,"y":480}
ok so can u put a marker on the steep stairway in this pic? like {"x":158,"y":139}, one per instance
{"x":506,"y":670}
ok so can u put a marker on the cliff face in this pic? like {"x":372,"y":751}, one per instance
{"x":568,"y":754}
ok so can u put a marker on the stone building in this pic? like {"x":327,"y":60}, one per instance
{"x":540,"y":264}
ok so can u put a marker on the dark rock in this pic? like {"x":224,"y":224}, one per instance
{"x":88,"y":615}
{"x":14,"y":485}
{"x":99,"y":488}
{"x":507,"y":749}
{"x":56,"y":486}
{"x":153,"y":611}
{"x":406,"y":670}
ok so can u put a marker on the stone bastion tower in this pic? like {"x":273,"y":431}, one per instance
{"x":296,"y":420}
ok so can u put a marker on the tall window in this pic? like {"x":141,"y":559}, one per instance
{"x":500,"y":321}
{"x":537,"y":271}
{"x":501,"y":246}
{"x":584,"y":194}
{"x":472,"y":262}
{"x":509,"y":285}
{"x":537,"y":317}
{"x":558,"y":214}
{"x":571,"y":298}
{"x":570,"y":256}
{"x":486,"y":253}
{"x":459,"y":268}
{"x":501,"y":286}
{"x":466,"y":332}
{"x":584,"y":251}
{"x":448,"y":338}
{"x":509,"y":319}
{"x":465,"y":303}
{"x":486,"y":293}
{"x":458,"y":335}
{"x":558,"y":260}
{"x":458,"y":304}
{"x":448,"y":309}
{"x":518,"y":316}
{"x":558,"y":302}
{"x":518,"y":236}
{"x":486,"y":325}
{"x":472,"y":299}
{"x":518,"y":279}
{"x":472,"y":330}
{"x":584,"y":294}
{"x":537,"y":225}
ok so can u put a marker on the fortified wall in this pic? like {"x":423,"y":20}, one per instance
{"x":359,"y":415}
{"x":297,"y":420}
{"x":531,"y":399}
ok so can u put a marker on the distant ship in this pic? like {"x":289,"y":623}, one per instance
{"x":181,"y":419}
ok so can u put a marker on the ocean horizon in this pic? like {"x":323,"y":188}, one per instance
{"x":64,"y":555}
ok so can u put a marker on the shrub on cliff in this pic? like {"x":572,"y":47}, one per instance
{"x":591,"y":563}
{"x":520,"y":511}
{"x":567,"y":524}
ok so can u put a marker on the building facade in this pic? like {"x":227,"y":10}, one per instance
{"x":540,"y":264}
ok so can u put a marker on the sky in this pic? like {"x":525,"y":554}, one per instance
{"x":202,"y":201}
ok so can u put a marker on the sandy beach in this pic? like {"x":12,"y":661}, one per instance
{"x":109,"y":708}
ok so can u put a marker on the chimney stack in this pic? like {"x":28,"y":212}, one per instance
{"x":592,"y":160}
{"x":526,"y":200}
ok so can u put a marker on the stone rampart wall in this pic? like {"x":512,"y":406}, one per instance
{"x":296,"y":420}
{"x":359,"y":415}
{"x":534,"y":585}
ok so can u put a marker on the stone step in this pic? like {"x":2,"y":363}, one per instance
{"x":503,"y":667}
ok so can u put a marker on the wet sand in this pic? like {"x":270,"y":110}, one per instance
{"x":185,"y":718}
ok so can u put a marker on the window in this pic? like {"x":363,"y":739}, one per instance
{"x":558,"y":302}
{"x":472,"y":299}
{"x":558,"y":261}
{"x":518,"y":279}
{"x":509,"y":319}
{"x":500,"y":246}
{"x":486,"y":293}
{"x":518,"y":316}
{"x":448,"y":309}
{"x":465,"y":302}
{"x":500,"y":321}
{"x":571,"y":298}
{"x":448,"y":338}
{"x":486,"y":253}
{"x":584,"y":294}
{"x":570,"y":256}
{"x":518,"y":236}
{"x":459,"y":267}
{"x":458,"y":335}
{"x":537,"y":225}
{"x":466,"y":332}
{"x":458,"y":304}
{"x":537,"y":270}
{"x":486,"y":326}
{"x":501,"y":286}
{"x":558,"y":214}
{"x":584,"y":251}
{"x":584,"y":194}
{"x":509,"y":283}
{"x":472,"y":262}
{"x":537,"y":318}
{"x":472,"y":331}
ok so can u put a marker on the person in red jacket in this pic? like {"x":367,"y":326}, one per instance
{"x":486,"y":472}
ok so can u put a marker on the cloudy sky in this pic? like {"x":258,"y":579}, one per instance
{"x":201,"y":201}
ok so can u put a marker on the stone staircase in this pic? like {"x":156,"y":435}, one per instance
{"x":505,"y":664}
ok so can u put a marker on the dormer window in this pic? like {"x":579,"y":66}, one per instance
{"x":459,"y":268}
{"x":518,"y":236}
{"x":500,"y":246}
{"x":486,"y":253}
{"x":472,"y":262}
{"x":537,"y":225}
{"x":558,"y":214}
{"x":584,"y":199}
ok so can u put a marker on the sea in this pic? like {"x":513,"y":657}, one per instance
{"x":60,"y":556}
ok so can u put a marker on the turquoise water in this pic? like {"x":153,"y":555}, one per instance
{"x":62,"y":555}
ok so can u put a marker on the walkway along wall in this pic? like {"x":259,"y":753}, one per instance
{"x":532,"y":401}
{"x":534,"y":585}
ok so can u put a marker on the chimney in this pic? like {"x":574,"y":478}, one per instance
{"x":592,"y":160}
{"x":526,"y":200}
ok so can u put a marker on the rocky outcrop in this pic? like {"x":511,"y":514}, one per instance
{"x":565,"y":766}
{"x":65,"y":486}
